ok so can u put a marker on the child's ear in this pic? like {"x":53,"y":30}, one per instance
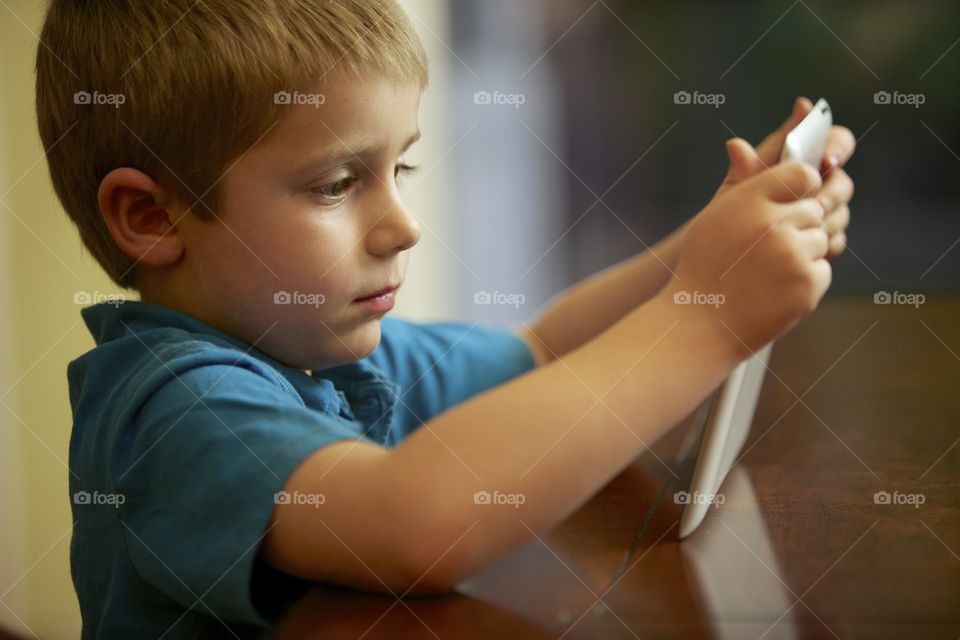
{"x":141,"y":217}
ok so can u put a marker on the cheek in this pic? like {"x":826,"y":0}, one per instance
{"x":273,"y":245}
{"x":296,"y":303}
{"x":317,"y":256}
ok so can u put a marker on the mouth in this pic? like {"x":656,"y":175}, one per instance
{"x":379,"y":302}
{"x":378,"y":294}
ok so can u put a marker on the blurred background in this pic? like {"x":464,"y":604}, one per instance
{"x":560,"y":137}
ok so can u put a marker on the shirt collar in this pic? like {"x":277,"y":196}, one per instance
{"x":355,"y":389}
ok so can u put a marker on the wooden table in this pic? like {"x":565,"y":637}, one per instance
{"x":861,"y":398}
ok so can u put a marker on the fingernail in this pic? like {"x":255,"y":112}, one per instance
{"x":833,"y":160}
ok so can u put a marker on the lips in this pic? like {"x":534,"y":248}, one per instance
{"x":384,"y":291}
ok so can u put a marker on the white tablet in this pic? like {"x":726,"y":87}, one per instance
{"x":733,"y":404}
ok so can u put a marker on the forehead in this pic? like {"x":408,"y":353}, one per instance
{"x":347,"y":113}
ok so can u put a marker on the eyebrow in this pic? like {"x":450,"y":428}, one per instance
{"x":359,"y":149}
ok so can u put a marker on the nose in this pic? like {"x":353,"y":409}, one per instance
{"x":394,"y":228}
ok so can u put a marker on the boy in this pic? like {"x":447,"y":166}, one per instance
{"x":256,"y":423}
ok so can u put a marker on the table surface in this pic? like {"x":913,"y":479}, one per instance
{"x":860,"y":398}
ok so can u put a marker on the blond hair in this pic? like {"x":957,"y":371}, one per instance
{"x":180,"y":88}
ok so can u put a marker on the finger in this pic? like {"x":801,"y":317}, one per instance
{"x":838,"y":244}
{"x":837,"y":220}
{"x":786,"y":182}
{"x":840,"y":147}
{"x":822,"y":277}
{"x":814,"y":243}
{"x":769,"y":150}
{"x":837,"y":190}
{"x":743,"y":161}
{"x":803,"y":214}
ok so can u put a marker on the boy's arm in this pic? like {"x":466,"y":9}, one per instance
{"x":589,"y":307}
{"x":546,"y":441}
{"x":407,"y":518}
{"x":581,"y":312}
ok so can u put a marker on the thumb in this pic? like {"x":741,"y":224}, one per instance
{"x":744,"y":161}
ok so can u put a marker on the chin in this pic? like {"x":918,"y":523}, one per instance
{"x":363,"y":340}
{"x":353,"y":344}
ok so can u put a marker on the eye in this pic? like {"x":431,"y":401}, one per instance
{"x":404,"y":169}
{"x":334,"y":192}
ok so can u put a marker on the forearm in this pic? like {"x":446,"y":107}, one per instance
{"x":551,"y":438}
{"x":591,"y":306}
{"x":554,"y":436}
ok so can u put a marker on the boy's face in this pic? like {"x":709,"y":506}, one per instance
{"x":309,"y":221}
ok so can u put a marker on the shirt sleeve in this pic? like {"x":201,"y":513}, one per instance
{"x":199,"y":468}
{"x":439,"y":365}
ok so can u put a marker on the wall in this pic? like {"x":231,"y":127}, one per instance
{"x":43,"y":268}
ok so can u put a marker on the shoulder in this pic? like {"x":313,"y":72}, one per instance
{"x":114,"y":379}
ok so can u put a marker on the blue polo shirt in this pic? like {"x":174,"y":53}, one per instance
{"x":182,"y":435}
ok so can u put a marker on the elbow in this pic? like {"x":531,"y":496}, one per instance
{"x":539,"y":351}
{"x":432,"y":567}
{"x":441,"y":549}
{"x":436,"y":539}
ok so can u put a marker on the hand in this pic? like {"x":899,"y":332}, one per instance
{"x":761,"y":247}
{"x":837,"y":189}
